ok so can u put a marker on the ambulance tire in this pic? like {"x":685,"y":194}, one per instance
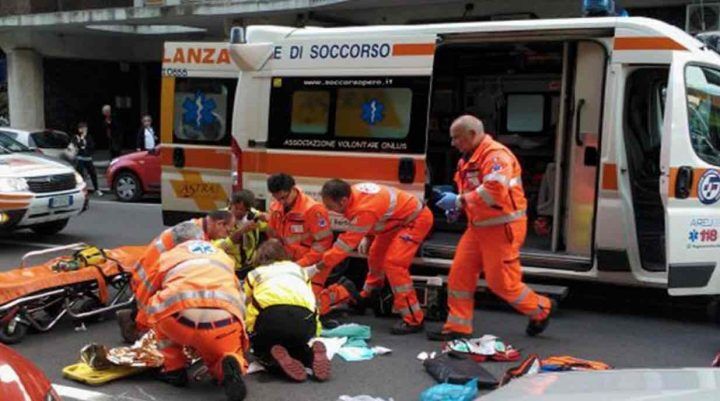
{"x":127,"y":187}
{"x":49,"y":228}
{"x":12,"y":335}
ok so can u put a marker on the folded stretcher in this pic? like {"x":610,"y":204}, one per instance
{"x":40,"y":296}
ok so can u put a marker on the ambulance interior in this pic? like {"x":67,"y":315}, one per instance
{"x":516,"y":89}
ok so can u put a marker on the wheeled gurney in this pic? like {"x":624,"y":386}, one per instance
{"x":39,"y":296}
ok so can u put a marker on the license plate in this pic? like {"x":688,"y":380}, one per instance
{"x":61,"y":201}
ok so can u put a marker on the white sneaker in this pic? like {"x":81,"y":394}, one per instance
{"x":98,"y":193}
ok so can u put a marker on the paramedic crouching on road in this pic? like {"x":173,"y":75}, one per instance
{"x":489,"y":182}
{"x":211,"y":227}
{"x":303,"y":226}
{"x":198,"y":303}
{"x":399,"y":223}
{"x":281,"y":315}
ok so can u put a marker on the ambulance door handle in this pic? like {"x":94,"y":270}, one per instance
{"x":406,"y":170}
{"x":683,"y":182}
{"x":578,"y":113}
{"x":179,"y":157}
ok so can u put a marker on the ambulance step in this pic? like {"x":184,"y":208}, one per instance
{"x":558,"y":292}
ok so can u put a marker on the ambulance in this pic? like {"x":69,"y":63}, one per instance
{"x":197,"y":96}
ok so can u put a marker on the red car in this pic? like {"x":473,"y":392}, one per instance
{"x":135,"y":174}
{"x":20,"y":379}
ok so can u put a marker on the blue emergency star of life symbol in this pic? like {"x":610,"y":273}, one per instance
{"x":372,"y":111}
{"x":198,"y":110}
{"x":709,"y":187}
{"x":693,"y":237}
{"x":200,"y":248}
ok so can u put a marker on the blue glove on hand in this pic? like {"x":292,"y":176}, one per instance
{"x":448,"y":201}
{"x":452,"y":215}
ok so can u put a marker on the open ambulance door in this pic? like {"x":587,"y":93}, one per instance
{"x":690,"y":174}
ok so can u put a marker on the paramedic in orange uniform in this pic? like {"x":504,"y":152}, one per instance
{"x":213,"y":226}
{"x":399,"y":223}
{"x":303,"y":226}
{"x":491,"y":194}
{"x":198,"y":303}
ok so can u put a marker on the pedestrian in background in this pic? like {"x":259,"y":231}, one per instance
{"x":146,"y":137}
{"x":113,"y":132}
{"x":84,"y":148}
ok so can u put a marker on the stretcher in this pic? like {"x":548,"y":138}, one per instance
{"x":39,"y":296}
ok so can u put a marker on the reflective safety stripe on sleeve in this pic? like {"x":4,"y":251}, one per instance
{"x":485,"y":196}
{"x":142,"y":275}
{"x":358,"y":229}
{"x":188,"y":295}
{"x":159,"y":246}
{"x":293,"y":239}
{"x":500,"y":219}
{"x":342,"y":245}
{"x":319,"y":247}
{"x":322,"y":234}
{"x":380,"y":225}
{"x":457,"y":294}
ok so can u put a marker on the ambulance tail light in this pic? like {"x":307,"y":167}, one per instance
{"x":236,"y":165}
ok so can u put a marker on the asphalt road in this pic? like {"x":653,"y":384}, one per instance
{"x":623,"y":327}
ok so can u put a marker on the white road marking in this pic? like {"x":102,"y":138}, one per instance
{"x":72,"y":393}
{"x":29,"y":243}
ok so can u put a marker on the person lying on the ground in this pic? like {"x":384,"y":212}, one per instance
{"x":281,"y":315}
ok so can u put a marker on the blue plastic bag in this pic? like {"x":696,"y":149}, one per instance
{"x":451,"y":392}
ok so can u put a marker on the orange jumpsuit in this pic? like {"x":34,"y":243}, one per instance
{"x":195,"y":275}
{"x":399,"y":222}
{"x":494,"y":201}
{"x":148,"y":262}
{"x":306,"y":233}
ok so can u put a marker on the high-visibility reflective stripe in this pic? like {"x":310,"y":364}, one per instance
{"x":457,"y":294}
{"x":515,"y":182}
{"x":485,"y":196}
{"x":342,"y":245}
{"x":414,"y":308}
{"x":322,"y":234}
{"x":160,"y":246}
{"x":380,"y":225}
{"x":332,"y":298}
{"x":418,"y":209}
{"x":293,"y":239}
{"x":142,"y":275}
{"x":194,"y":263}
{"x":188,"y":295}
{"x":521,"y":297}
{"x":358,"y":229}
{"x":258,"y":278}
{"x":402,"y":288}
{"x":496,"y":177}
{"x":500,"y":219}
{"x":319,"y":247}
{"x":459,"y":320}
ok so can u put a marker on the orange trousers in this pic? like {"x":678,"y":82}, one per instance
{"x":390,"y":256}
{"x":211,"y":344}
{"x":330,"y":297}
{"x":494,"y":251}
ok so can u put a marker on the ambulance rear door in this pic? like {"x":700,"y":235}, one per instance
{"x":690,"y":173}
{"x":198,"y":90}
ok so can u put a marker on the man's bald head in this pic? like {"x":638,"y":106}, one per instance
{"x":466,"y":133}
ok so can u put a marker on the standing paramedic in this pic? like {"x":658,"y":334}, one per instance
{"x":303,"y":226}
{"x":198,"y":303}
{"x":211,"y":227}
{"x":491,"y":194}
{"x":399,"y":223}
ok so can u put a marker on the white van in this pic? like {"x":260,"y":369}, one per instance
{"x":616,"y":122}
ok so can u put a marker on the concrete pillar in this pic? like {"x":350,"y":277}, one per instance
{"x":26,"y":94}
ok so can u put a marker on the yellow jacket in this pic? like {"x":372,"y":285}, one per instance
{"x":243,"y":253}
{"x":280,"y":283}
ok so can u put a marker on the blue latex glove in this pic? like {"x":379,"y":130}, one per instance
{"x":452,"y":215}
{"x":448,"y":201}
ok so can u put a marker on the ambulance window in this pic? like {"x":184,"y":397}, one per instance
{"x":373,"y":113}
{"x":310,"y":112}
{"x":703,"y":105}
{"x":202,"y":110}
{"x":525,"y":113}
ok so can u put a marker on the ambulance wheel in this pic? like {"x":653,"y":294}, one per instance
{"x":87,"y":305}
{"x":13,"y":332}
{"x":49,"y":228}
{"x":127,"y":187}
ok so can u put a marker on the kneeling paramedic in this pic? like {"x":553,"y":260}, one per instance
{"x":198,"y":303}
{"x":303,"y":226}
{"x":491,"y":194}
{"x":281,"y":315}
{"x":245,"y":236}
{"x":399,"y":223}
{"x":213,"y":226}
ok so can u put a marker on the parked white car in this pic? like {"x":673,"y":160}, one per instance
{"x":50,"y":142}
{"x":36,"y":191}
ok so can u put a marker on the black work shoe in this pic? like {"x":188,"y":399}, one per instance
{"x":328,"y":323}
{"x":402,"y":327}
{"x":232,"y":380}
{"x":440,"y":335}
{"x":350,"y":287}
{"x":535,"y":327}
{"x":128,"y":329}
{"x":177,"y":378}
